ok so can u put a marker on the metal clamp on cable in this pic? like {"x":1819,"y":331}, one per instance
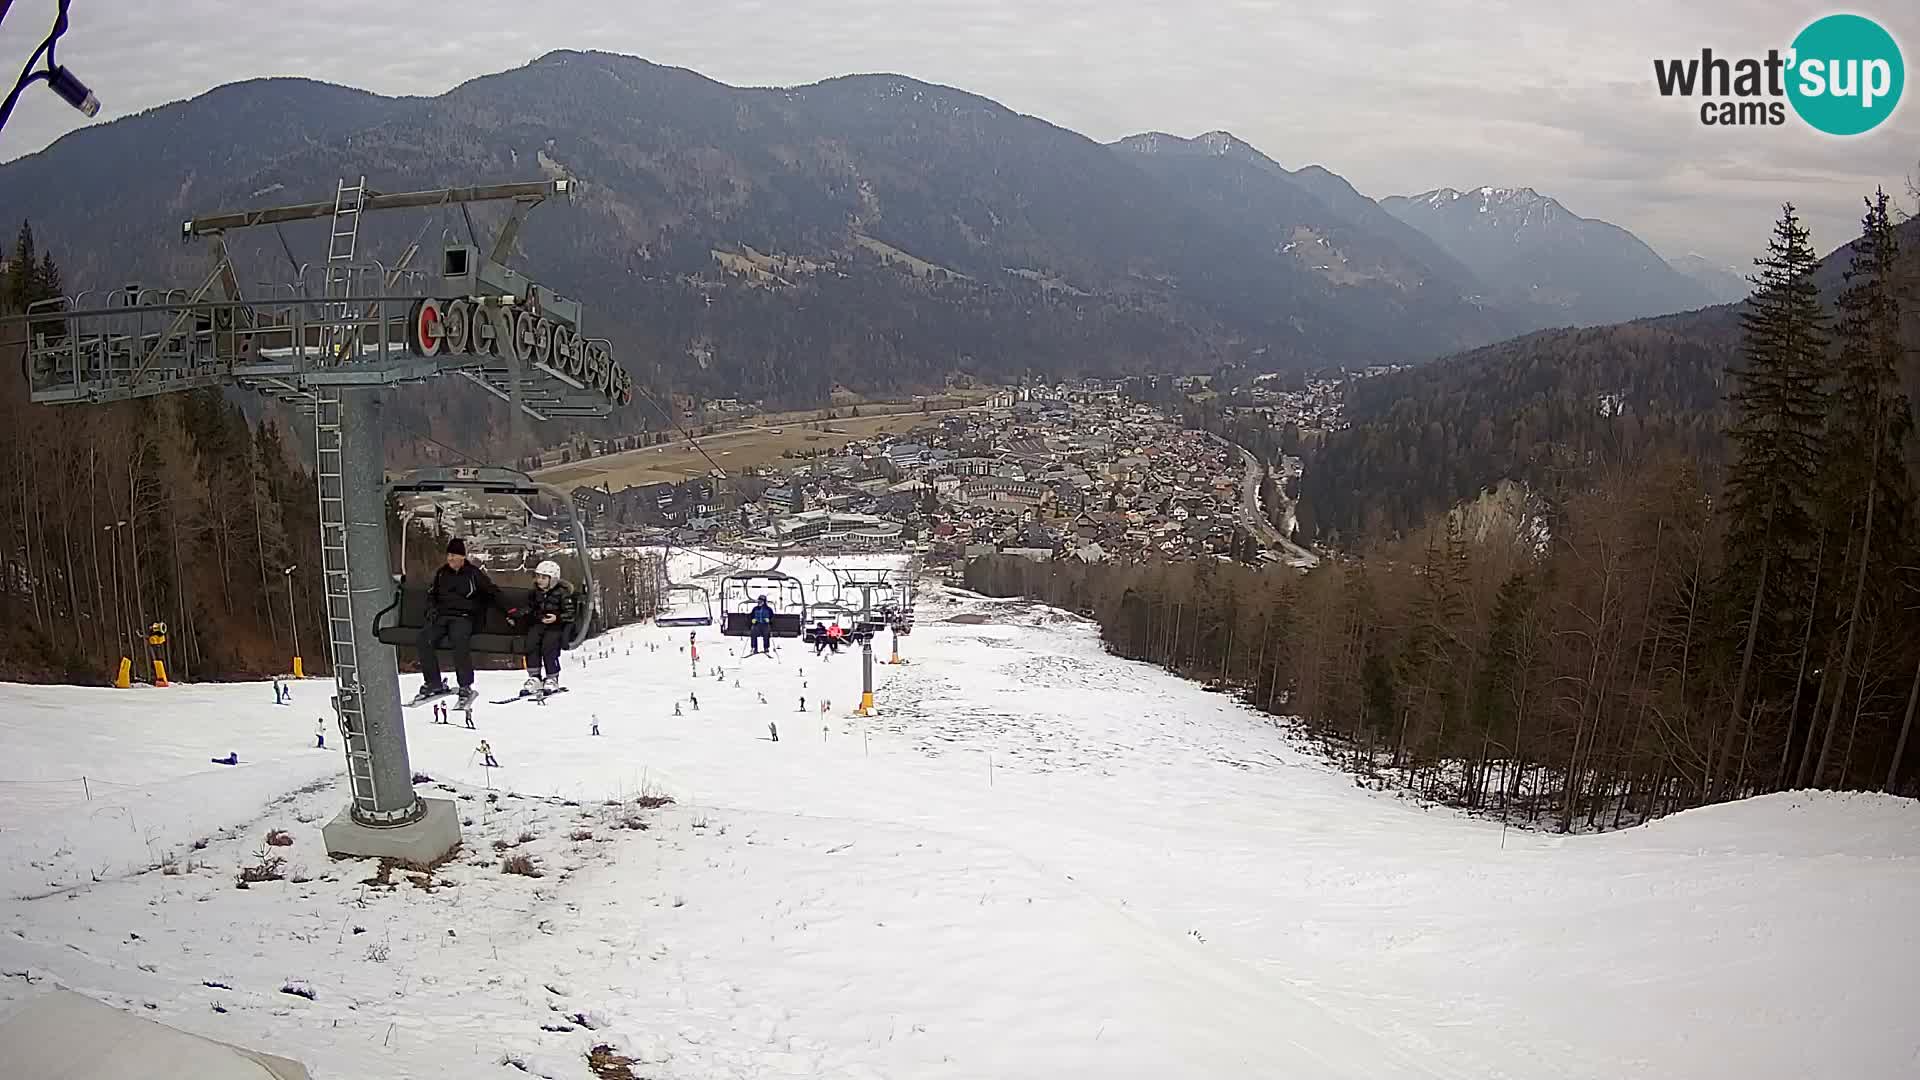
{"x":58,"y":79}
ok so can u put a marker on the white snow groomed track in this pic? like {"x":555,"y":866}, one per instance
{"x":1038,"y":861}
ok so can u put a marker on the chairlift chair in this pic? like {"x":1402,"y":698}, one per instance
{"x":682,"y":604}
{"x":400,"y":622}
{"x":741,"y":593}
{"x":686,"y":605}
{"x":870,"y":591}
{"x":826,"y":613}
{"x":900,"y":613}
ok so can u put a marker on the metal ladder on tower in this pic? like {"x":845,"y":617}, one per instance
{"x":337,"y":333}
{"x":342,"y":636}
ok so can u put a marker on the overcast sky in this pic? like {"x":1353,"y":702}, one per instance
{"x":1399,"y":96}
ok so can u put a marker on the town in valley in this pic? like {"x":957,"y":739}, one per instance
{"x":1092,"y":469}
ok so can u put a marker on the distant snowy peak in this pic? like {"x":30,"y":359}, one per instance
{"x":1570,"y":269}
{"x":1149,"y":142}
{"x":1368,"y":244}
{"x":1490,"y":200}
{"x":1519,"y":196}
{"x":1221,"y":142}
{"x":1444,"y":195}
{"x":1210,"y":144}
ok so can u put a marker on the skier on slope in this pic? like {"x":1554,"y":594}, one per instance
{"x":761,"y":632}
{"x":552,"y":606}
{"x":459,"y":597}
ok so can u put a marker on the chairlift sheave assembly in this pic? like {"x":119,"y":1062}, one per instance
{"x":474,"y":495}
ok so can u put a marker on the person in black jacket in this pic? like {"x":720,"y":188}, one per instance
{"x":459,"y":597}
{"x":552,"y":607}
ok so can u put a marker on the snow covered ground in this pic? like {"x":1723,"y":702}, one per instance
{"x":1037,"y":861}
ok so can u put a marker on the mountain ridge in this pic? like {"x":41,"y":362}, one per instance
{"x":673,"y":164}
{"x":918,"y":229}
{"x":1536,"y":254}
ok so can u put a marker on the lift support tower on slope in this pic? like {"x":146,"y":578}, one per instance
{"x":328,"y":346}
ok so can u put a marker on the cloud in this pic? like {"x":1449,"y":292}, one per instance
{"x":1397,"y":95}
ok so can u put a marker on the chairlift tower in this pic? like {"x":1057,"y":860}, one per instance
{"x":867,"y":581}
{"x":328,"y":344}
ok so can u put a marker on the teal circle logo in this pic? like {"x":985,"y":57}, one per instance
{"x":1846,"y":74}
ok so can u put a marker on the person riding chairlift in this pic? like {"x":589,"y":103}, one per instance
{"x":552,"y":606}
{"x":457,"y":600}
{"x":836,"y":636}
{"x":760,"y":631}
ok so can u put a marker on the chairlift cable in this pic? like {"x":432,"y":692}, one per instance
{"x":667,"y":415}
{"x":696,"y":553}
{"x":461,"y":454}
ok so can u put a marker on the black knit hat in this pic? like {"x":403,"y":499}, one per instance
{"x":456,"y":546}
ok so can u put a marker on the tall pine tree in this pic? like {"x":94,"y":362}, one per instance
{"x":47,"y":282}
{"x":23,"y":271}
{"x":1868,"y":425}
{"x":1430,"y":671}
{"x":1772,"y":483}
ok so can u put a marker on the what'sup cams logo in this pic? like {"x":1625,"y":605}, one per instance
{"x":1842,"y":75}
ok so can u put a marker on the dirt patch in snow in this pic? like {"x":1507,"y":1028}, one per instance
{"x":608,"y":1065}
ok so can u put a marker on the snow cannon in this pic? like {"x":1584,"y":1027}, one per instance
{"x":157,"y":638}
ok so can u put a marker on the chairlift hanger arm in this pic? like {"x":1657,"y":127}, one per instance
{"x":489,"y":479}
{"x":526,"y":193}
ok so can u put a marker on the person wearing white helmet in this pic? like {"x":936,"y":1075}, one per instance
{"x":552,"y":607}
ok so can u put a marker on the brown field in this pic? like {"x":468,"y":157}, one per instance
{"x":734,"y":450}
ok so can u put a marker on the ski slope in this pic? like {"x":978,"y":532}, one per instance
{"x":1036,"y":861}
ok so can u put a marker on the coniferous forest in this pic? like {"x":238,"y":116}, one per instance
{"x":172,"y":509}
{"x":1669,"y":628}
